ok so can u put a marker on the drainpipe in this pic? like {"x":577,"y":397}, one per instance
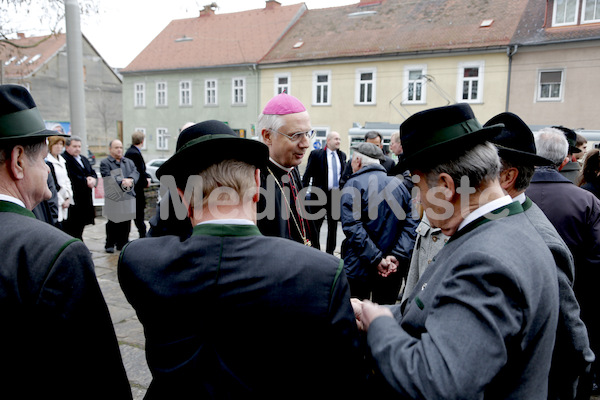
{"x":510,"y":52}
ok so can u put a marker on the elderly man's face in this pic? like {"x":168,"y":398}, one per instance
{"x":74,"y":148}
{"x":396,"y":147}
{"x":437,"y":208}
{"x":35,"y":180}
{"x":116,"y":149}
{"x":284,"y":151}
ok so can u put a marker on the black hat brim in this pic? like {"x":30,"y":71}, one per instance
{"x":199,"y":154}
{"x":439,"y":152}
{"x":522,"y":157}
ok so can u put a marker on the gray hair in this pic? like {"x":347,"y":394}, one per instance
{"x":479,"y":164}
{"x":268,"y":121}
{"x":365,"y":160}
{"x":31,"y":148}
{"x":552,"y":144}
{"x":395,"y":138}
{"x":72,"y":139}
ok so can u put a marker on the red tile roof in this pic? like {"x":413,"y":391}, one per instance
{"x":30,"y":55}
{"x":398,"y":26}
{"x":217,"y":39}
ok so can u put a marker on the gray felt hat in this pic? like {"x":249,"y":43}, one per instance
{"x":369,"y":150}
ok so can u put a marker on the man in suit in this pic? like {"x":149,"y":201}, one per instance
{"x":572,"y":353}
{"x":284,"y":126}
{"x":134,"y":153}
{"x":57,"y":337}
{"x":575,"y":213}
{"x":83,"y":180}
{"x":571,"y":169}
{"x":224,"y":315}
{"x":324,"y":167}
{"x":377,"y":139}
{"x":119,"y":174}
{"x":483,"y":319}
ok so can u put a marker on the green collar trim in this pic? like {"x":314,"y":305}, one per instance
{"x":512,"y":208}
{"x":7,"y":206}
{"x":527,"y":204}
{"x":221,"y":230}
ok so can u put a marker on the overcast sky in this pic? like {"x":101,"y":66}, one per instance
{"x":123,"y":28}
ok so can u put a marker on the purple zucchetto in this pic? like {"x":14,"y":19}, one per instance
{"x":283,"y":104}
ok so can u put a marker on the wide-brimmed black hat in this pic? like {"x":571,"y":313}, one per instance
{"x":19,"y":116}
{"x":515,"y":142}
{"x":210,"y":142}
{"x":438,"y":134}
{"x":571,"y":136}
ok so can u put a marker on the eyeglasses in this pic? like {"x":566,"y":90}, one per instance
{"x":297,"y":136}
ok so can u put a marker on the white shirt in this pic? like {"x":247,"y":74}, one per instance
{"x":14,"y":200}
{"x":520,"y":198}
{"x":330,"y":172}
{"x":227,"y":222}
{"x":486,"y":208}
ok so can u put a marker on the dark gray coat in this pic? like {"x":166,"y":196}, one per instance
{"x":482,"y":320}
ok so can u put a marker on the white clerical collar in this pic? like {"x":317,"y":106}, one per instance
{"x":484,"y":209}
{"x":286,"y":169}
{"x":233,"y":221}
{"x":14,"y":200}
{"x":520,"y":198}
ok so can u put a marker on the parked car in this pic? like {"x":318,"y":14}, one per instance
{"x":152,"y":166}
{"x":91,"y":158}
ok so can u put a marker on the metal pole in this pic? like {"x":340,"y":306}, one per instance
{"x":75,"y":67}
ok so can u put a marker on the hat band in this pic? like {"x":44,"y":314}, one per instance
{"x":452,"y":132}
{"x":205,"y":138}
{"x":21,"y":123}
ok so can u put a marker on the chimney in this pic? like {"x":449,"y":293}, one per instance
{"x":272,"y":4}
{"x":21,"y":35}
{"x":208,"y":10}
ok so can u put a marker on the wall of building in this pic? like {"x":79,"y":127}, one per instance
{"x":390,"y":87}
{"x":173,"y":116}
{"x":578,"y":107}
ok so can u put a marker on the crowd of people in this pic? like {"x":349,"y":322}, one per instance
{"x":467,"y":268}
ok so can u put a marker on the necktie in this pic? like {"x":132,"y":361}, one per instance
{"x":335,"y":171}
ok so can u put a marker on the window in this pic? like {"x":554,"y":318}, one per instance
{"x":591,"y":11}
{"x":162,"y":139}
{"x":365,"y":86}
{"x":321,"y":88}
{"x":161,"y":94}
{"x":321,"y":137}
{"x":185,"y":93}
{"x":282,"y":84}
{"x":143,"y":130}
{"x":139,"y":95}
{"x":550,"y":85}
{"x":210,"y":92}
{"x":470,"y":82}
{"x":565,"y":12}
{"x":414,"y":89}
{"x":238,"y":95}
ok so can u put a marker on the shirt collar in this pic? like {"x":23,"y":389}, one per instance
{"x":484,"y":209}
{"x":227,"y":222}
{"x":14,"y":200}
{"x":520,"y":198}
{"x":286,"y":169}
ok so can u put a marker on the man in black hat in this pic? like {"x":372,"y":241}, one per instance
{"x":482,"y":320}
{"x":230,"y":313}
{"x":57,"y":336}
{"x":575,"y":213}
{"x":572,"y":353}
{"x":572,"y":168}
{"x":380,"y":237}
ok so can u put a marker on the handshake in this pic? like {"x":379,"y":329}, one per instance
{"x":366,"y":312}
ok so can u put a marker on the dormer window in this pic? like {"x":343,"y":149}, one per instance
{"x":570,"y":12}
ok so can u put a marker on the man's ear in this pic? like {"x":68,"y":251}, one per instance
{"x":17,"y":162}
{"x":267,"y":136}
{"x":256,"y":195}
{"x":447,"y":183}
{"x":508,"y":178}
{"x":188,"y":206}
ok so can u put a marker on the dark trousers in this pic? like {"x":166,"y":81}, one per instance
{"x":117,"y":233}
{"x":377,"y":288}
{"x":140,"y":207}
{"x":332,"y":225}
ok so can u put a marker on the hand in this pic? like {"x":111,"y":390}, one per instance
{"x":91,"y":182}
{"x":357,"y":307}
{"x":387,"y":266}
{"x":371,"y":311}
{"x":149,"y":182}
{"x":66,"y":203}
{"x":127,"y":182}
